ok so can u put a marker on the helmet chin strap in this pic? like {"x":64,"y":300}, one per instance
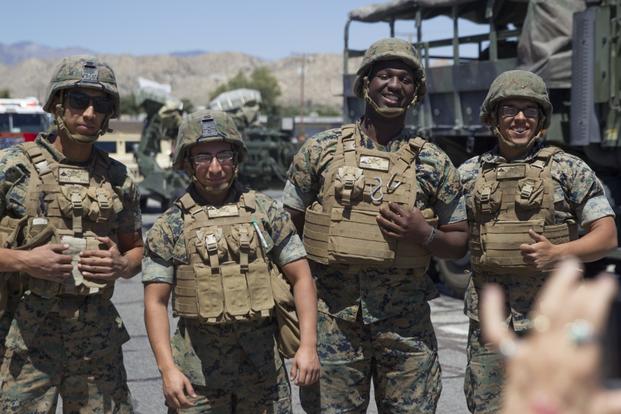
{"x":59,"y":112}
{"x":385,"y":112}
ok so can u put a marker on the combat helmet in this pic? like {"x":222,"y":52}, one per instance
{"x":207,"y":126}
{"x":390,"y":49}
{"x":516,"y":84}
{"x":81,"y":71}
{"x":519,"y":84}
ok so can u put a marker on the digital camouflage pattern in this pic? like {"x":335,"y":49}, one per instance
{"x":391,"y":48}
{"x":56,"y":359}
{"x":70,"y":345}
{"x":376,"y":305}
{"x":516,"y":84}
{"x":578,"y":197}
{"x":82,"y":71}
{"x":407,"y":377}
{"x":207,"y":126}
{"x":235,"y":364}
{"x":165,"y":244}
{"x":234,"y":368}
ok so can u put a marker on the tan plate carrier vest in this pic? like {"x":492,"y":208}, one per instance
{"x":69,"y":204}
{"x":343,"y":229}
{"x":228,"y":275}
{"x":509,"y":199}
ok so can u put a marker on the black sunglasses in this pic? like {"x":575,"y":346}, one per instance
{"x":81,"y":101}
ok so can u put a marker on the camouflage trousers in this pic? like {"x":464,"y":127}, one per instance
{"x":69,"y":346}
{"x":484,"y":374}
{"x":398,"y":354}
{"x":233,"y":367}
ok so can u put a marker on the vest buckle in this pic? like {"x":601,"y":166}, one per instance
{"x":102,"y":199}
{"x":527,"y":191}
{"x":212,"y":243}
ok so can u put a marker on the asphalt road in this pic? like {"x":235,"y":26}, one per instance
{"x":144,"y":381}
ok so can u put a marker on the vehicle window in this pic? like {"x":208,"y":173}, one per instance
{"x":29,"y":123}
{"x":4,"y":122}
{"x":108,"y":146}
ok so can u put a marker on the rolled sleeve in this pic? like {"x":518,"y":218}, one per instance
{"x":294,"y":198}
{"x":154,"y":271}
{"x":290,"y":250}
{"x":595,"y":208}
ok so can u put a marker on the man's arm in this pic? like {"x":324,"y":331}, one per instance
{"x":177,"y":387}
{"x":43,"y":262}
{"x":305,"y":367}
{"x":601,"y":238}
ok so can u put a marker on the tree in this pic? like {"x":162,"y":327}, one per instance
{"x":260,"y":79}
{"x":188,"y":106}
{"x":5,"y":93}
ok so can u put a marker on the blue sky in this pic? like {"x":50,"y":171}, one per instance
{"x":269,"y":29}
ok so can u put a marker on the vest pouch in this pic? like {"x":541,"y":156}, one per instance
{"x":258,"y":278}
{"x":529,"y":195}
{"x":209,"y":295}
{"x":101,"y":204}
{"x":233,"y":240}
{"x":203,"y":244}
{"x":355,"y":238}
{"x":10,"y":228}
{"x":316,"y":228}
{"x":487,"y":197}
{"x":185,"y":292}
{"x":500,"y":244}
{"x":74,"y":196}
{"x":348,"y":185}
{"x":236,"y":295}
{"x":412,"y":255}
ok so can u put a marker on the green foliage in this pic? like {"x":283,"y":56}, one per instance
{"x":5,"y":93}
{"x":128,"y":105}
{"x":260,"y":79}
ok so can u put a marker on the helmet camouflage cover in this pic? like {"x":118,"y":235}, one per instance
{"x":207,"y":126}
{"x":391,"y":49}
{"x":516,"y":84}
{"x":82,"y":71}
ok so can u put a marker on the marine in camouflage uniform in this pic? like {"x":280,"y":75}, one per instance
{"x":374,"y":319}
{"x":224,"y":360}
{"x":518,"y":110}
{"x":70,"y":226}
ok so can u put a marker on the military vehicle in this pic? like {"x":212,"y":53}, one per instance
{"x":158,"y":181}
{"x":270,"y":151}
{"x":575,"y":45}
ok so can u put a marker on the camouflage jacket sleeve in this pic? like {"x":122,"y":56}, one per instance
{"x":14,"y":174}
{"x":582,"y":192}
{"x":287,"y":244}
{"x":440,"y":185}
{"x":304,"y":176}
{"x":164,"y":247}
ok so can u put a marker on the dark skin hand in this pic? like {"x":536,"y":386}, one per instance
{"x":398,"y":222}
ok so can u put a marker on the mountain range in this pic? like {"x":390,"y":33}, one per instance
{"x":26,"y":67}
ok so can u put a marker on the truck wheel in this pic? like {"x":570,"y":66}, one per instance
{"x":454,"y":275}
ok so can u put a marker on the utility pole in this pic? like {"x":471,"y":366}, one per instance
{"x":302,"y":104}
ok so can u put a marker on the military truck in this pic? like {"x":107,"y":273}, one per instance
{"x":575,"y":45}
{"x":270,"y":151}
{"x":158,"y":181}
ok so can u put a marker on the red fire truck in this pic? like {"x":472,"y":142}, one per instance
{"x":21,"y":120}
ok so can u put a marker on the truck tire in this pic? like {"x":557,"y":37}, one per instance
{"x":454,"y":275}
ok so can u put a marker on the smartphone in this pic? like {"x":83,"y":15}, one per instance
{"x":611,"y":355}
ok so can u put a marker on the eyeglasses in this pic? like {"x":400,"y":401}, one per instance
{"x":81,"y":101}
{"x":510,"y":111}
{"x":225,"y":157}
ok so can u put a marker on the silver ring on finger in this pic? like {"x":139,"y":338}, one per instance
{"x":581,"y":332}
